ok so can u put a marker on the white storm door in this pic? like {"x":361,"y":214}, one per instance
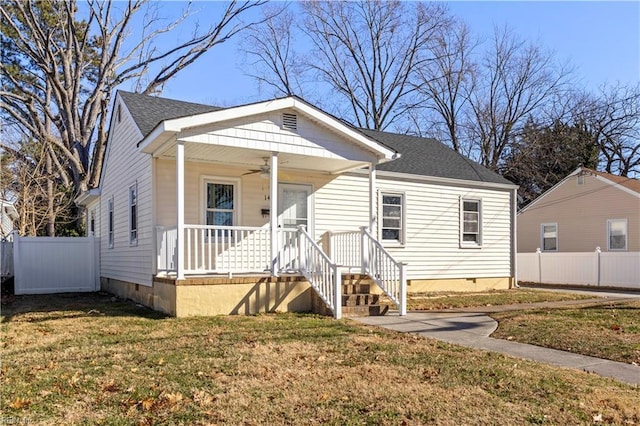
{"x":295,"y":206}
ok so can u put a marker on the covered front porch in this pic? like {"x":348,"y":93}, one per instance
{"x":235,"y":195}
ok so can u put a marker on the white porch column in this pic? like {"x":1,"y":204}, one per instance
{"x":373,"y":202}
{"x":180,"y":209}
{"x":273,"y":206}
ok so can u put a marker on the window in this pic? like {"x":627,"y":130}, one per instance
{"x":110,"y":219}
{"x":133,"y":214}
{"x":617,"y":234}
{"x":392,"y":217}
{"x":549,"y":236}
{"x":220,"y":207}
{"x":471,"y":223}
{"x":92,"y":223}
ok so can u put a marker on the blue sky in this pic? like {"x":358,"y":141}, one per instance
{"x":600,"y":39}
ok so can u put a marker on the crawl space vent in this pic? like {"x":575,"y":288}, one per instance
{"x":289,"y":121}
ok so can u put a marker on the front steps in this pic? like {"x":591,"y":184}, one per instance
{"x":357,"y":299}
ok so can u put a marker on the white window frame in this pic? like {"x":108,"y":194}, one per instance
{"x":542,"y":225}
{"x":626,"y":234}
{"x":111,"y":222}
{"x":403,"y":221}
{"x":133,"y":227}
{"x":470,"y":244}
{"x":204,"y":180}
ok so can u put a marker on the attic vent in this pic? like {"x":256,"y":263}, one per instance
{"x":289,"y":121}
{"x":580,"y":179}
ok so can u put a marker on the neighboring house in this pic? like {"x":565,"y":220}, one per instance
{"x":8,"y":215}
{"x":204,"y":210}
{"x":587,"y":209}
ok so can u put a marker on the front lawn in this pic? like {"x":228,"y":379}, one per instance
{"x":440,"y":301}
{"x":95,"y":360}
{"x":610,"y":331}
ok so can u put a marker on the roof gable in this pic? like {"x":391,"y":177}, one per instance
{"x":418,"y":155}
{"x":625,"y":184}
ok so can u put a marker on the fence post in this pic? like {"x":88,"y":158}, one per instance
{"x":403,"y":290}
{"x":539,"y":253}
{"x":91,"y":250}
{"x":337,"y":308}
{"x":598,"y":251}
{"x":17,"y":270}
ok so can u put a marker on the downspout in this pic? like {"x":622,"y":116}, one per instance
{"x":514,"y":237}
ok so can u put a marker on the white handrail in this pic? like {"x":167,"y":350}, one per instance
{"x":389,"y":274}
{"x":322,"y":274}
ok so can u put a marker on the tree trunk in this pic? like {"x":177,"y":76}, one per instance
{"x":51,"y":214}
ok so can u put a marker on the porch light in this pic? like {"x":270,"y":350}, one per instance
{"x":265,"y":212}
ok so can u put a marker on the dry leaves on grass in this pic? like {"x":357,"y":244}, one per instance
{"x":20,"y":403}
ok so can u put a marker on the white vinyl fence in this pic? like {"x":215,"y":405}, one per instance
{"x":45,"y":265}
{"x":610,"y":269}
{"x":6,"y":258}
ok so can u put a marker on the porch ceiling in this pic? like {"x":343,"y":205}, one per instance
{"x":254,"y":158}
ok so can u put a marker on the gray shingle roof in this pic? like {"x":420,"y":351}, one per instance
{"x":419,"y":156}
{"x":429,"y":157}
{"x":148,"y":111}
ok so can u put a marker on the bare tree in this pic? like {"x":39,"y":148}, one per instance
{"x":515,"y":80}
{"x":368,"y":52}
{"x":445,"y":82}
{"x":365,"y":52}
{"x":38,"y":192}
{"x":60,"y":68}
{"x":612,"y":118}
{"x":270,"y":52}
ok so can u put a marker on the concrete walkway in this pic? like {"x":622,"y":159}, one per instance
{"x":472,"y":329}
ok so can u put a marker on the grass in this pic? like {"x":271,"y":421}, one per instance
{"x":440,"y":301}
{"x":610,"y":331}
{"x":95,"y":360}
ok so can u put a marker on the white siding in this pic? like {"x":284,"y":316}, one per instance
{"x":341,"y":203}
{"x":95,"y":208}
{"x":432,"y":247}
{"x":6,"y":223}
{"x":124,"y":166}
{"x":265,"y":132}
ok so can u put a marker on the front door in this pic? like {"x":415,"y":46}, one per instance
{"x":294,"y":209}
{"x":295,"y":206}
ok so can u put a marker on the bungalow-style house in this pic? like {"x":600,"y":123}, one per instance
{"x":586,"y":210}
{"x":279,"y":206}
{"x":8,"y":215}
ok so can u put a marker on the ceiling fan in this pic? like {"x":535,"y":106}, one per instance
{"x":263,"y":170}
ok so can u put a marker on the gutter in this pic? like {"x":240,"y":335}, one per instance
{"x":439,"y":180}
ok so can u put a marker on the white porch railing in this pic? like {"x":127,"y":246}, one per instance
{"x":344,"y":248}
{"x":389,"y":274}
{"x":242,"y":249}
{"x":322,"y":274}
{"x":226,"y":249}
{"x":166,"y":239}
{"x":288,"y":243}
